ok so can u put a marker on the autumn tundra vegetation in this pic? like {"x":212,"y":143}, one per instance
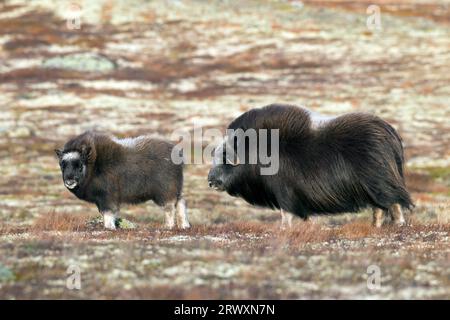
{"x":156,"y":67}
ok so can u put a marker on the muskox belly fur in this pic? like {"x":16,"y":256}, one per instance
{"x":101,"y":169}
{"x":327,"y":165}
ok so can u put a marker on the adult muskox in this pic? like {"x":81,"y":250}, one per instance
{"x":326,"y":165}
{"x":107,"y":171}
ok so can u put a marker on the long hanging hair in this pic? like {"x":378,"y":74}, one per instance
{"x":342,"y":164}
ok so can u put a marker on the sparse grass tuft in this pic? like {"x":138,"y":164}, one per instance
{"x":303,"y":233}
{"x":355,"y":230}
{"x":55,"y":221}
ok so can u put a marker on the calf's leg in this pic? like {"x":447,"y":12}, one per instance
{"x":182,"y":218}
{"x":169,"y":213}
{"x":110,"y":211}
{"x":109,"y":219}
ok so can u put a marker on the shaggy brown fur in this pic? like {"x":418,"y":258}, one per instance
{"x":107,"y":171}
{"x":327,"y":165}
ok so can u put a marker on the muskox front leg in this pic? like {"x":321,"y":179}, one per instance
{"x":378,"y":217}
{"x":286,"y":219}
{"x":110,"y":212}
{"x":109,"y":219}
{"x":181,"y":211}
{"x":397,"y":214}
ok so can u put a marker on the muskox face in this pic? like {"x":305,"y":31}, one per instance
{"x":225,"y":167}
{"x":73,"y":167}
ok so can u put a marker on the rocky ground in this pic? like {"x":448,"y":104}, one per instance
{"x":139,"y":66}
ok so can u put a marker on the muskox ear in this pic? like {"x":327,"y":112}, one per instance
{"x":85,"y":152}
{"x":59,"y":153}
{"x":234,"y":163}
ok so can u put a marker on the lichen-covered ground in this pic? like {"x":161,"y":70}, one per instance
{"x":139,"y":66}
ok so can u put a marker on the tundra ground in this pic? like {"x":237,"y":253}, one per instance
{"x":157,"y":66}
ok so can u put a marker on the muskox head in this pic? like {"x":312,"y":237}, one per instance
{"x":73,"y":164}
{"x":225,"y":166}
{"x":244,"y":154}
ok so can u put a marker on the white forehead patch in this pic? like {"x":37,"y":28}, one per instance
{"x":71,"y":155}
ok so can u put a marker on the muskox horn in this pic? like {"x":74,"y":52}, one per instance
{"x":231,"y":156}
{"x":234,"y":162}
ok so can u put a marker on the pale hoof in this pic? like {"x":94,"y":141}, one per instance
{"x":185,"y":226}
{"x":169,"y":226}
{"x":110,"y":225}
{"x":377,"y":224}
{"x":400,"y":223}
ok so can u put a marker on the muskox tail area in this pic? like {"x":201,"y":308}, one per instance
{"x":386,"y":186}
{"x":385,"y":191}
{"x":397,"y":147}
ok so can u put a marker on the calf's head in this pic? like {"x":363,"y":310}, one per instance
{"x":73,"y":164}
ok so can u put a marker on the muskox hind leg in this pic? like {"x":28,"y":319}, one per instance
{"x":286,"y":219}
{"x":378,"y":217}
{"x":169,"y":215}
{"x":397,"y":214}
{"x":182,"y":218}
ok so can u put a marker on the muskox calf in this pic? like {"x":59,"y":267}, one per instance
{"x":326,"y":165}
{"x":107,"y":171}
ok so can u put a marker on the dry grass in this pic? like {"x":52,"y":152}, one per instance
{"x":251,"y":227}
{"x":300,"y":234}
{"x":6,"y":229}
{"x":55,"y":221}
{"x":309,"y":232}
{"x":356,"y":230}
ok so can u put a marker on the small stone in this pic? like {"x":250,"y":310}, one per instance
{"x":83,"y":62}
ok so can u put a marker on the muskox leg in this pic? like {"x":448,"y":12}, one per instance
{"x":286,"y":219}
{"x":378,"y":217}
{"x":397,"y":214}
{"x":182,"y":219}
{"x":109,"y":219}
{"x":169,"y":213}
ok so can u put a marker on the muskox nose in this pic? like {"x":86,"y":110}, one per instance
{"x":216,"y":179}
{"x":70,"y":183}
{"x":215,"y":183}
